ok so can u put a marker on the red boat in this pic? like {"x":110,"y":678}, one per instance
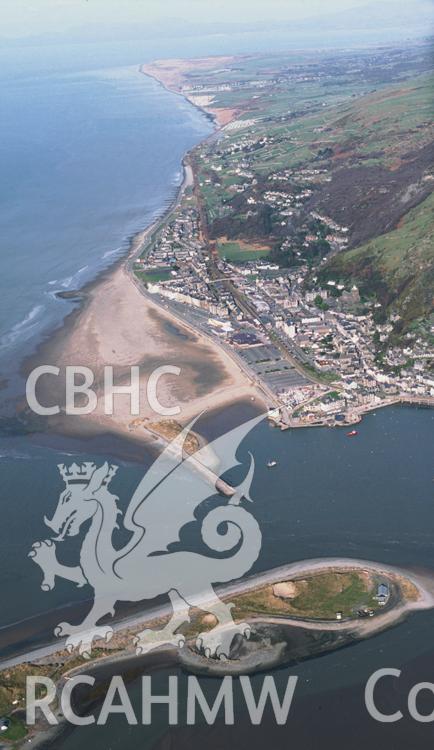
{"x":353,"y":433}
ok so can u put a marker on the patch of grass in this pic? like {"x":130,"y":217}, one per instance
{"x":324,"y":595}
{"x":240,"y":252}
{"x":13,"y":680}
{"x":334,"y":396}
{"x":317,"y":597}
{"x":153,"y":277}
{"x":170,"y":429}
{"x":17,"y":730}
{"x":323,"y":377}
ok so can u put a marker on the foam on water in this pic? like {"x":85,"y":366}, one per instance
{"x":22,"y":329}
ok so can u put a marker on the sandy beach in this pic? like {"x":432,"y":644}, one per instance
{"x":171,"y":75}
{"x":118,"y":326}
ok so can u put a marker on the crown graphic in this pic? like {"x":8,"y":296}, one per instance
{"x":82,"y":473}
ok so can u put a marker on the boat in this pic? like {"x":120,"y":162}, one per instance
{"x":271,"y":464}
{"x":353,"y":433}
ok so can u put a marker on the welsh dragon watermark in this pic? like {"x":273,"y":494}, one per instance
{"x":153,"y":562}
{"x":165,"y":500}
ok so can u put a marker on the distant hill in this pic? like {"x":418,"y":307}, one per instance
{"x":388,"y":14}
{"x":392,"y":14}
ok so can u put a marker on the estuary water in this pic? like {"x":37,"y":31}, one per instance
{"x":328,"y":496}
{"x":369,"y":498}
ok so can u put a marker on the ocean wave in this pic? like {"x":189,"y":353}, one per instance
{"x":177,"y":179}
{"x":16,"y":456}
{"x":52,"y":294}
{"x":109,"y":253}
{"x":66,"y":282}
{"x":69,"y":281}
{"x":25,"y":326}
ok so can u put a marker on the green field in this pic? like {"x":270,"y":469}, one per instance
{"x":240,"y":252}
{"x":17,"y":731}
{"x":319,"y":596}
{"x":153,"y":277}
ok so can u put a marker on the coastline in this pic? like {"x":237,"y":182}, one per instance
{"x":283,"y":640}
{"x":234,"y":384}
{"x":170,"y":78}
{"x":423,"y":583}
{"x":208,"y":378}
{"x":90,"y":337}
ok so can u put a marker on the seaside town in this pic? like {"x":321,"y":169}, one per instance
{"x":258,"y":251}
{"x":315,"y":348}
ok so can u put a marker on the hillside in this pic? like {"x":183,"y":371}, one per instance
{"x":397,"y":267}
{"x":376,"y":149}
{"x":383,"y":157}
